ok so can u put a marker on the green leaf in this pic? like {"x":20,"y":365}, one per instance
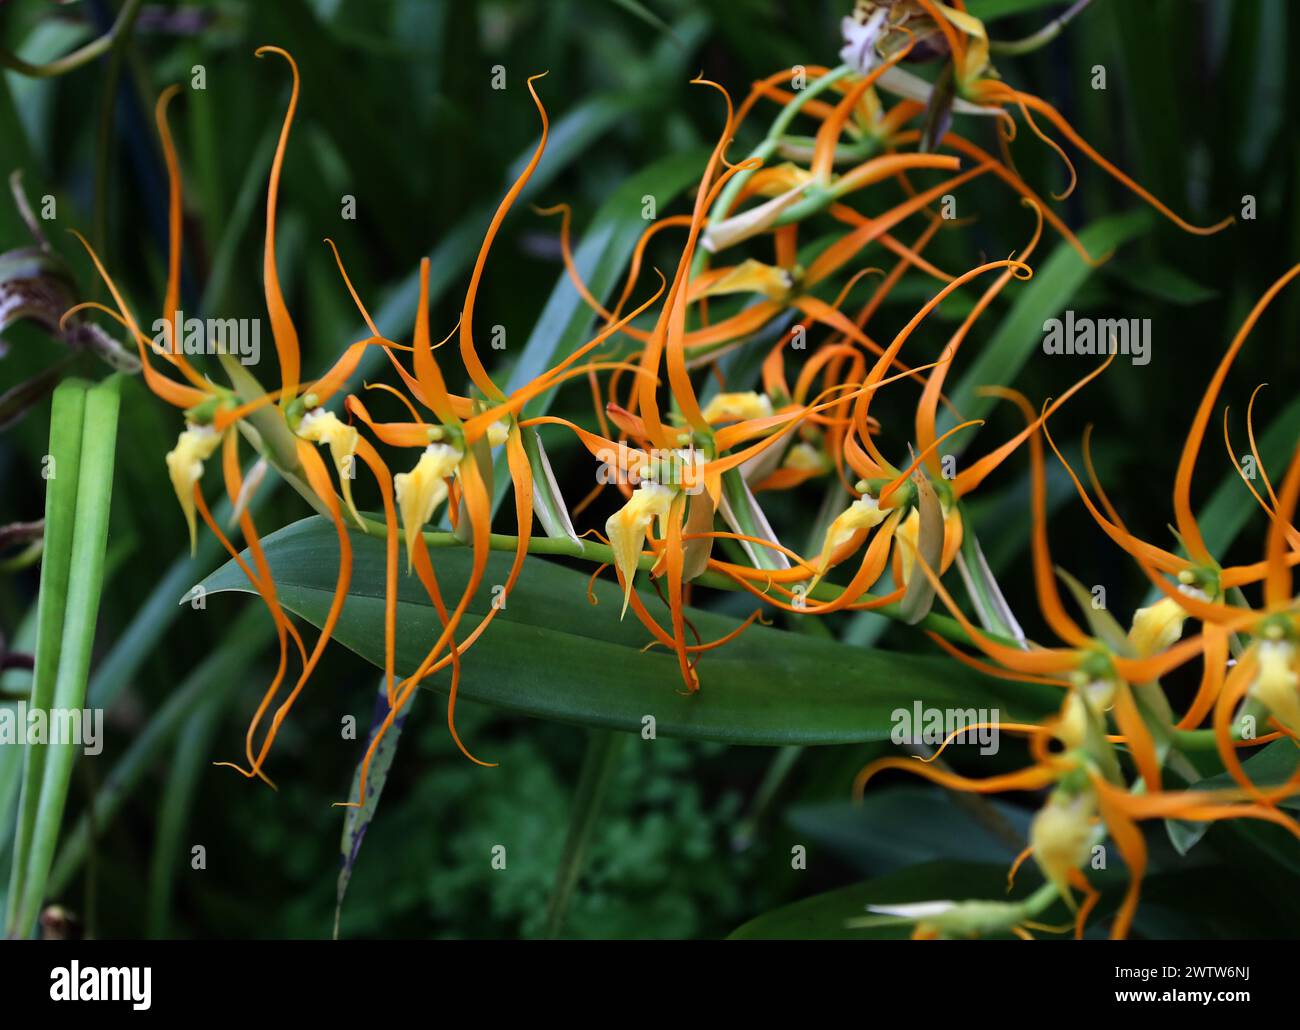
{"x":1163,"y":282}
{"x":66,"y":425}
{"x":899,"y":826}
{"x":191,"y":758}
{"x":77,"y":507}
{"x":551,"y":655}
{"x":1230,"y":508}
{"x":14,"y":682}
{"x":1271,"y":766}
{"x":648,"y":16}
{"x":989,"y":10}
{"x":156,"y":615}
{"x":356,"y":820}
{"x":597,"y":256}
{"x":823,"y":916}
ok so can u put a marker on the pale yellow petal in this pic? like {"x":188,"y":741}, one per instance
{"x":420,"y":491}
{"x":737,"y":407}
{"x":194,"y":446}
{"x":627,"y":528}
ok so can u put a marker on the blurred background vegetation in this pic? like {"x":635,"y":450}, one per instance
{"x":397,"y":111}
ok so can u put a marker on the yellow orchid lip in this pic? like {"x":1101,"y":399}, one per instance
{"x":420,"y":491}
{"x":1087,"y":701}
{"x":194,"y":446}
{"x":1157,"y":626}
{"x":324,"y":427}
{"x":864,"y":513}
{"x":1061,"y":836}
{"x":804,"y":457}
{"x":627,"y":529}
{"x":1276,"y":681}
{"x":738,"y":407}
{"x":752,"y":276}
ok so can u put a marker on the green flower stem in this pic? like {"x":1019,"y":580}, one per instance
{"x":770,"y":145}
{"x":81,"y":56}
{"x":594,"y":551}
{"x":1039,"y":39}
{"x":1207,"y":740}
{"x":800,"y":148}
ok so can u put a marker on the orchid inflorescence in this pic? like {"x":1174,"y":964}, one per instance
{"x":694,"y":452}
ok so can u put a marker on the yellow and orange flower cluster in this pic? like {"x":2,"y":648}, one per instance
{"x":696,"y":451}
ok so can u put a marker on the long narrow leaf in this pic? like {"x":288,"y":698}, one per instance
{"x":64,"y":460}
{"x":85,"y":582}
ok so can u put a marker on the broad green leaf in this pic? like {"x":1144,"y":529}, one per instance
{"x":1188,"y":903}
{"x":1268,"y":767}
{"x":900,"y":826}
{"x":823,"y":916}
{"x":549,"y":654}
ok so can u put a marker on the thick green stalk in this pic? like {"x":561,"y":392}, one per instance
{"x":49,"y":792}
{"x":66,"y":429}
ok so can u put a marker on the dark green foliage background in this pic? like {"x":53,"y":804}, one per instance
{"x":396,"y":110}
